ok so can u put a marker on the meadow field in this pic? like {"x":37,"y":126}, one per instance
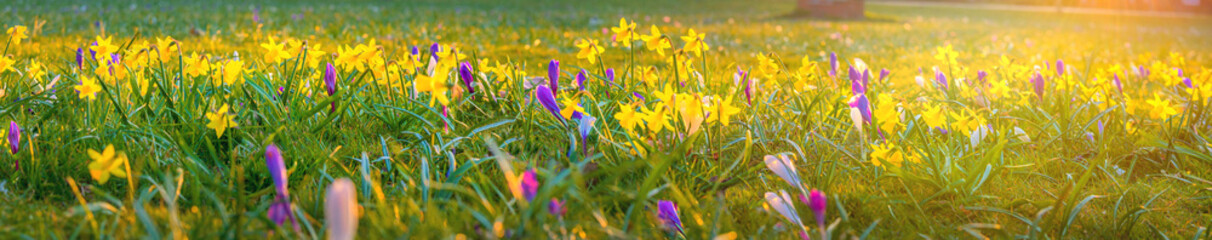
{"x":612,"y":119}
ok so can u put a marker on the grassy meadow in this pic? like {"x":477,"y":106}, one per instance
{"x":536,"y":119}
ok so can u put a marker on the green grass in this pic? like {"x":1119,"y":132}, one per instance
{"x":437,"y":177}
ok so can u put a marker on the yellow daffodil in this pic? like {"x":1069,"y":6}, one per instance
{"x":654,"y":41}
{"x":656,"y":119}
{"x":589,"y":50}
{"x":196,"y":65}
{"x":695,"y":42}
{"x":105,"y":163}
{"x":88,"y":88}
{"x":220,"y":120}
{"x":934,"y":116}
{"x":232,"y":72}
{"x":887,"y":113}
{"x":164,"y":50}
{"x":1161,"y":109}
{"x":627,"y":117}
{"x":722,"y":110}
{"x":274,"y":52}
{"x":16,"y":34}
{"x":6,"y":64}
{"x":624,"y":32}
{"x":104,"y":47}
{"x":571,"y":105}
{"x":436,"y":85}
{"x":35,"y":70}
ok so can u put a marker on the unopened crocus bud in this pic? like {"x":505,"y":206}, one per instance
{"x":465,"y":74}
{"x":884,"y":73}
{"x":556,"y":207}
{"x":330,"y":79}
{"x":277,"y":168}
{"x":941,"y":79}
{"x":1060,"y":67}
{"x":667,"y":212}
{"x":14,"y":137}
{"x":341,"y":210}
{"x":553,"y":76}
{"x":581,"y":80}
{"x":818,"y":203}
{"x":530,"y":185}
{"x":1038,"y":82}
{"x":547,"y":99}
{"x":980,"y":77}
{"x":861,"y":103}
{"x":80,"y":58}
{"x":434,"y":49}
{"x":610,"y":74}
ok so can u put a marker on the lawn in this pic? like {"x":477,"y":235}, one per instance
{"x":551,"y":119}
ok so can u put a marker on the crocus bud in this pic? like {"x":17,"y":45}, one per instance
{"x":860,"y":102}
{"x":434,"y":49}
{"x":817,"y":202}
{"x":14,"y":137}
{"x":884,"y":73}
{"x":586,"y":124}
{"x":832,"y":63}
{"x":1038,"y":81}
{"x":782,"y":166}
{"x":547,"y":99}
{"x":781,"y":203}
{"x":277,"y":168}
{"x":856,"y":84}
{"x":553,"y":76}
{"x":80,"y":58}
{"x":1060,"y":67}
{"x":330,"y":79}
{"x":465,"y":74}
{"x":556,"y":207}
{"x":667,"y":212}
{"x":610,"y":74}
{"x":1118,"y":85}
{"x":341,"y":210}
{"x":581,"y":79}
{"x":941,"y":79}
{"x":530,"y":185}
{"x":980,"y":77}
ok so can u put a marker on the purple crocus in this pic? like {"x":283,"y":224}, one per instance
{"x":415,"y":50}
{"x":556,"y":207}
{"x":14,"y":137}
{"x":610,"y":74}
{"x":609,"y":77}
{"x":856,"y":82}
{"x":863,"y":105}
{"x":547,"y":99}
{"x":817,"y":202}
{"x":530,"y":185}
{"x":553,"y":76}
{"x":92,"y":53}
{"x":581,"y":79}
{"x":832,"y":64}
{"x":330,"y":84}
{"x":941,"y":79}
{"x":980,"y":77}
{"x":80,"y":58}
{"x":280,"y":210}
{"x":1118,"y":85}
{"x":1038,"y":81}
{"x":330,"y":79}
{"x":465,"y":74}
{"x":667,"y":212}
{"x":1060,"y":67}
{"x":884,"y":74}
{"x":637,"y":95}
{"x":1187,"y":81}
{"x":433,"y":51}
